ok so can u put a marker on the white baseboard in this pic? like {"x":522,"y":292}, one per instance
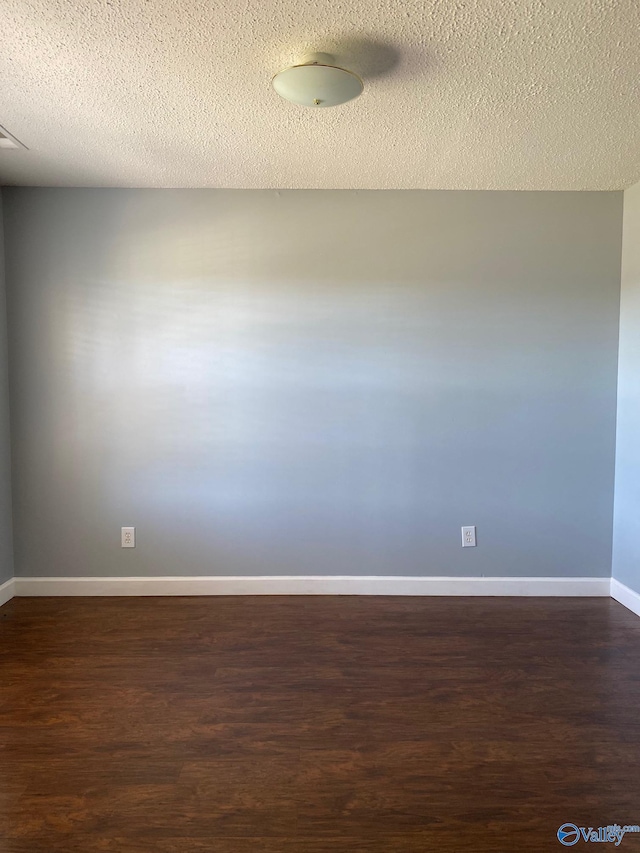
{"x":625,"y":596}
{"x":7,"y":591}
{"x":313,"y":585}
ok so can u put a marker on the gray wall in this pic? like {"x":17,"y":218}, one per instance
{"x":6,"y":544}
{"x":313,"y":382}
{"x":626,"y":550}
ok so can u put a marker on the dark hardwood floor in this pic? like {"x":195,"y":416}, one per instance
{"x":287,"y":724}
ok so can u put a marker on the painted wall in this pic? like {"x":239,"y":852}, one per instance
{"x":6,"y":536}
{"x":626,"y":542}
{"x":313,"y":382}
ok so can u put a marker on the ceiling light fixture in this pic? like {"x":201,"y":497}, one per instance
{"x":316,"y":82}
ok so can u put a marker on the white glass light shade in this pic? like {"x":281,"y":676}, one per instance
{"x":317,"y":85}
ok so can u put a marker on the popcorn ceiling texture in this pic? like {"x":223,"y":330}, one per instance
{"x":459,"y":94}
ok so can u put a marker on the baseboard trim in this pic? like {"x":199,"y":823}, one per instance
{"x":626,"y":596}
{"x":312,"y":585}
{"x":7,"y":591}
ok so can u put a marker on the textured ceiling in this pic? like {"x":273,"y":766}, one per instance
{"x":459,"y":94}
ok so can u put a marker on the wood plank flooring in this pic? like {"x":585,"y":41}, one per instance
{"x":315,"y":725}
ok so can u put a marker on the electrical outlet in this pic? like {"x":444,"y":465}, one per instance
{"x":128,"y":537}
{"x":469,"y":537}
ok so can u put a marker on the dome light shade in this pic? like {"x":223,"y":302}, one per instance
{"x":314,"y":83}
